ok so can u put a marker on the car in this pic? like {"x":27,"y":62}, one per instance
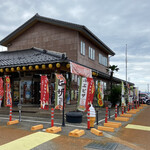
{"x":148,"y":102}
{"x":143,"y":98}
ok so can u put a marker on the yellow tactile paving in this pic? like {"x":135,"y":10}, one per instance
{"x":28,"y":142}
{"x":138,"y":127}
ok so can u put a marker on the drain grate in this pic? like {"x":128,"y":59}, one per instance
{"x":102,"y":146}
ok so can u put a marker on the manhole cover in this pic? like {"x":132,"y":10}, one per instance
{"x":102,"y":146}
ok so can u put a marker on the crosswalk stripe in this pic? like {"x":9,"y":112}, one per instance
{"x":138,"y":127}
{"x":30,"y":141}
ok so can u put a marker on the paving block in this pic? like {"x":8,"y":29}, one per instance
{"x":110,"y":129}
{"x":71,"y":133}
{"x":140,"y":107}
{"x":131,"y":112}
{"x":111,"y":125}
{"x":126,"y":115}
{"x":79,"y":133}
{"x":53,"y":129}
{"x":144,"y":105}
{"x":122,"y":119}
{"x":137,"y":110}
{"x":96,"y":132}
{"x":120,"y":124}
{"x":37,"y":127}
{"x":12,"y":122}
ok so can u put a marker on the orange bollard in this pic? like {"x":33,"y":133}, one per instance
{"x":10,"y":113}
{"x":52,"y":117}
{"x":115,"y":111}
{"x":106,"y":114}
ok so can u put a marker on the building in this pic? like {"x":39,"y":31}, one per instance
{"x":39,"y":40}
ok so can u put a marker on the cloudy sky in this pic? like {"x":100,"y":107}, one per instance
{"x":115,"y":22}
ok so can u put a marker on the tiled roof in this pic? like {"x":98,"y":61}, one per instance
{"x":29,"y":57}
{"x":80,"y":28}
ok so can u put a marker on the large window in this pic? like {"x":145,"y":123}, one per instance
{"x":102,"y":60}
{"x":82,"y":48}
{"x":91,"y":53}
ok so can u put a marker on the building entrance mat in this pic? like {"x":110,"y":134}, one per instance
{"x":102,"y":146}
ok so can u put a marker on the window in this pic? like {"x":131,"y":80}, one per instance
{"x":91,"y":53}
{"x":102,"y":60}
{"x":82,"y":48}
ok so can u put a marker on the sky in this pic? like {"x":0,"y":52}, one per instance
{"x":116,"y":22}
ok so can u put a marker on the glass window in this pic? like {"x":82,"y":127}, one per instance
{"x":91,"y":53}
{"x":103,"y":60}
{"x":82,"y":48}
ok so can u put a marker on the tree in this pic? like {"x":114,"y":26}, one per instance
{"x":112,"y":69}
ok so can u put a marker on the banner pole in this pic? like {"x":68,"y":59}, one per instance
{"x":63,"y":117}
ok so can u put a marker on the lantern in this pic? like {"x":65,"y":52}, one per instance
{"x":18,"y":69}
{"x":24,"y":68}
{"x":43,"y":66}
{"x":50,"y":66}
{"x":30,"y":68}
{"x":12,"y":69}
{"x":37,"y":67}
{"x":6,"y":69}
{"x":58,"y":65}
{"x":68,"y":66}
{"x":1,"y":70}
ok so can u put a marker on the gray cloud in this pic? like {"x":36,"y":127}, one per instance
{"x":116,"y":23}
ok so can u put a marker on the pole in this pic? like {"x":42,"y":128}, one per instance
{"x":10,"y":113}
{"x":88,"y":119}
{"x":63,"y":117}
{"x":122,"y":109}
{"x":52,"y":117}
{"x":115,"y":111}
{"x":106,"y":114}
{"x":96,"y":117}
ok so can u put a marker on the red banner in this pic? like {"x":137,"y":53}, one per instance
{"x":44,"y":93}
{"x":1,"y":89}
{"x":80,"y":70}
{"x":8,"y":92}
{"x":90,"y":92}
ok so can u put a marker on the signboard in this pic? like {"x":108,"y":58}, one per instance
{"x":60,"y":89}
{"x":86,"y":93}
{"x":44,"y":93}
{"x":90,"y":92}
{"x":80,"y":70}
{"x":8,"y":92}
{"x":82,"y":94}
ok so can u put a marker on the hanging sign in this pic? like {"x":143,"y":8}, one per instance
{"x":100,"y":94}
{"x":122,"y":95}
{"x":80,"y":70}
{"x":60,"y":89}
{"x":44,"y":93}
{"x":90,"y":92}
{"x":8,"y":92}
{"x":82,"y":94}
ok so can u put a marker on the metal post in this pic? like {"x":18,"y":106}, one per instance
{"x":63,"y":115}
{"x":115,"y":111}
{"x":118,"y":110}
{"x":109,"y":112}
{"x":19,"y":107}
{"x":88,"y":119}
{"x":96,"y":117}
{"x":106,"y":114}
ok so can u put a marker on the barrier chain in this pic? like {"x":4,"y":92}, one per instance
{"x":52,"y":117}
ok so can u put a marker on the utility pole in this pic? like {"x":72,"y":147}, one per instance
{"x":126,"y":62}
